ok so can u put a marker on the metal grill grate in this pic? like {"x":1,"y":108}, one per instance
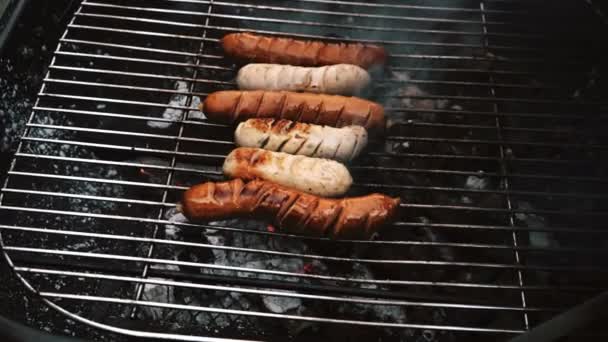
{"x":496,"y":147}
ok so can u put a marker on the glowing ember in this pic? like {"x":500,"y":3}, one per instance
{"x":143,"y":172}
{"x":308,"y":268}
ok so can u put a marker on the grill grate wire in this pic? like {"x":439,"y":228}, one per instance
{"x":497,"y":153}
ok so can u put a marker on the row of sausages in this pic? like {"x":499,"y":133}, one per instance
{"x":287,"y":168}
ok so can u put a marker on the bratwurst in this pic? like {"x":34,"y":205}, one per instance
{"x":266,"y":49}
{"x":340,"y":79}
{"x":291,"y":211}
{"x":322,"y":177}
{"x":341,"y":144}
{"x":232,"y":106}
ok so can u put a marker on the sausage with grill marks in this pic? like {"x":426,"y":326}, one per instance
{"x":266,"y":49}
{"x":342,"y":144}
{"x":322,"y":177}
{"x":340,"y":79}
{"x":291,"y":211}
{"x":232,"y":106}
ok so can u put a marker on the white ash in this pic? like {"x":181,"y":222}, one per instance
{"x":217,"y":299}
{"x":85,"y":245}
{"x":231,"y":300}
{"x":254,"y":260}
{"x":476,"y":183}
{"x":409,"y":99}
{"x":248,"y":260}
{"x":281,"y":304}
{"x":383,"y":313}
{"x":172,"y":231}
{"x":407,"y":96}
{"x":401,"y":76}
{"x":428,"y":335}
{"x":398,"y":147}
{"x":446,"y":253}
{"x":87,"y":224}
{"x":261,"y":261}
{"x":542,"y":239}
{"x":361,"y":271}
{"x":456,"y":107}
{"x":195,"y":113}
{"x":173,"y":114}
{"x":15,"y":108}
{"x":158,"y":293}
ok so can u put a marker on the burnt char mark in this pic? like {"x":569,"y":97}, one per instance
{"x":305,"y":222}
{"x":250,"y":193}
{"x":273,"y":202}
{"x":331,"y":227}
{"x":339,"y":117}
{"x":251,"y":156}
{"x":337,"y":149}
{"x":314,"y":153}
{"x":281,"y":126}
{"x":257,"y":157}
{"x":250,"y":189}
{"x":237,"y":186}
{"x":257,"y":109}
{"x":265,"y":141}
{"x":368,"y":117}
{"x":281,"y":110}
{"x":300,"y":147}
{"x":280,"y":147}
{"x":286,"y":206}
{"x":319,"y":112}
{"x":235,"y":110}
{"x":354,"y":150}
{"x":264,"y":191}
{"x":211,"y":190}
{"x":301,"y":108}
{"x":223,"y":192}
{"x":262,"y":124}
{"x":300,"y":127}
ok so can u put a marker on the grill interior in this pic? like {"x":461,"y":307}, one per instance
{"x":496,"y":146}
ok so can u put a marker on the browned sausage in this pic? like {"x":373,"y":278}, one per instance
{"x":267,"y":49}
{"x":233,"y":106}
{"x":291,"y":211}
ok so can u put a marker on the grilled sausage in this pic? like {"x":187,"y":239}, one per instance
{"x":317,"y":176}
{"x":290,"y":210}
{"x":234,"y":106}
{"x":342,"y":144}
{"x":264,"y":49}
{"x":341,"y":79}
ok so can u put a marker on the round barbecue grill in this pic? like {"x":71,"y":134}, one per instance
{"x":496,"y":145}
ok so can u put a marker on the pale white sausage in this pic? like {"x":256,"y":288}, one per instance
{"x":341,"y":79}
{"x":342,"y":144}
{"x":322,"y":177}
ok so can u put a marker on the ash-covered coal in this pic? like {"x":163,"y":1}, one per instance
{"x":230,"y":259}
{"x":176,"y":114}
